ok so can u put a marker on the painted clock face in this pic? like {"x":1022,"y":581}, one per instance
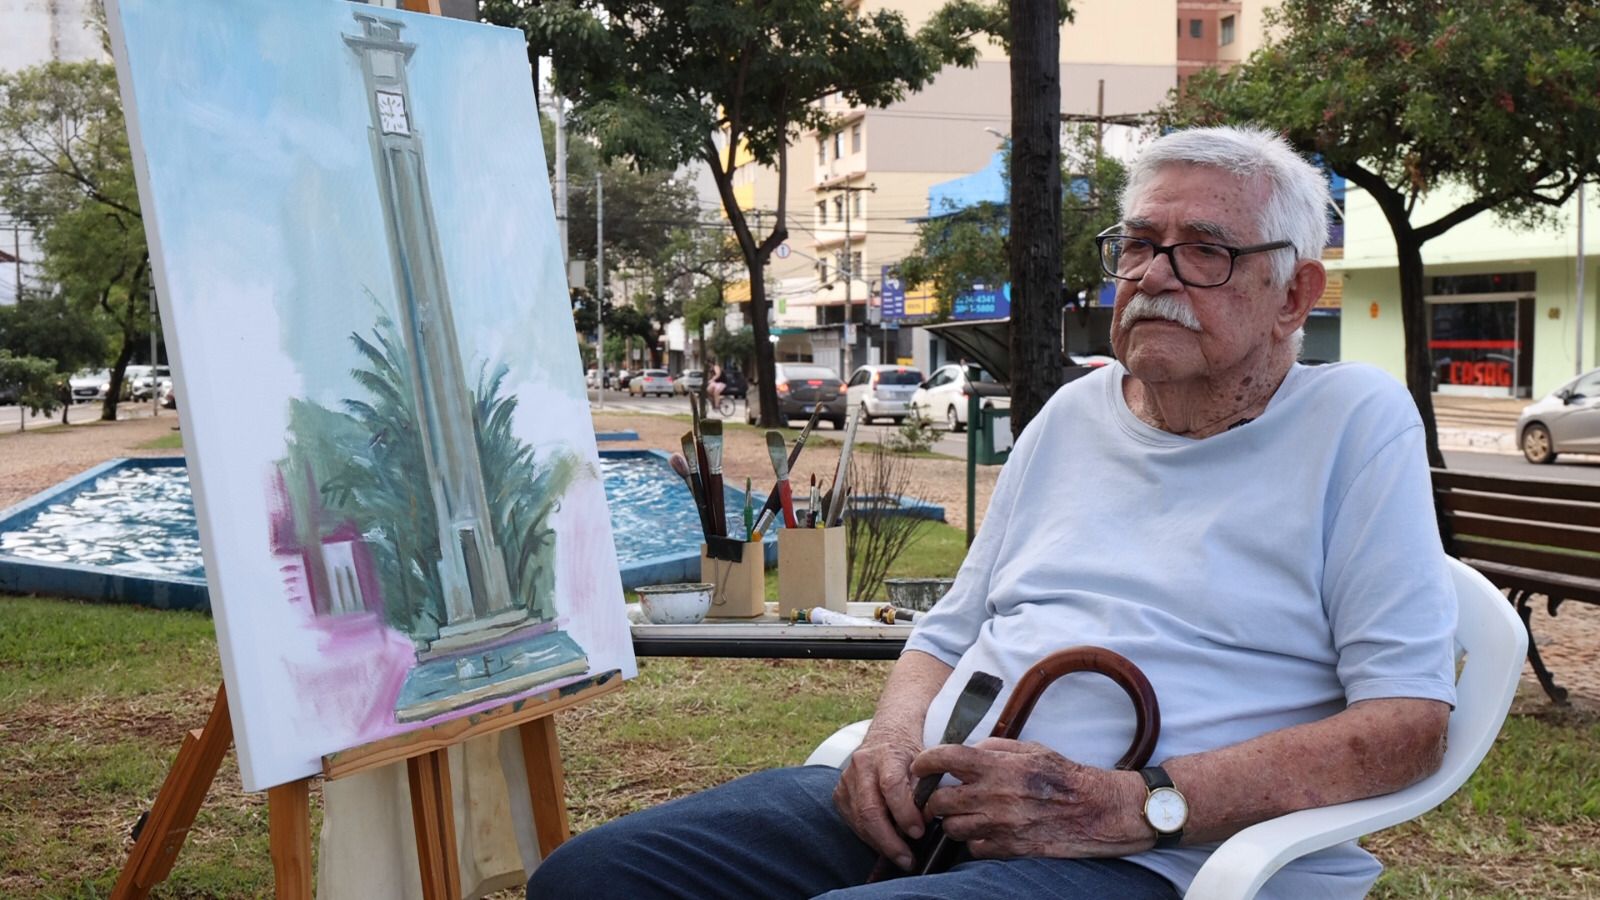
{"x":392,"y":113}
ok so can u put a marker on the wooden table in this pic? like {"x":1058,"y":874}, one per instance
{"x":770,"y":637}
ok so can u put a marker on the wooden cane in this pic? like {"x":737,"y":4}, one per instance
{"x":1146,"y":712}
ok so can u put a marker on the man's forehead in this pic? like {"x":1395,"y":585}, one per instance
{"x":1204,"y":228}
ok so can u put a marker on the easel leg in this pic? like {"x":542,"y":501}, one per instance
{"x":167,"y":823}
{"x":433,"y":814}
{"x":541,"y":755}
{"x":289,"y":828}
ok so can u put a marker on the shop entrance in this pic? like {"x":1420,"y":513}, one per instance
{"x":1480,"y":342}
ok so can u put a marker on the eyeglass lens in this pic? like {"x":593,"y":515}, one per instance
{"x":1201,"y":265}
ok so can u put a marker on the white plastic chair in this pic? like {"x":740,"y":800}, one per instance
{"x":1494,"y":643}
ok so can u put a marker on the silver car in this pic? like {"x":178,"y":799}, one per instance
{"x":885,"y":391}
{"x":1567,"y":420}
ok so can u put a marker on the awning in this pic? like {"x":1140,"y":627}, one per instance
{"x":986,"y":342}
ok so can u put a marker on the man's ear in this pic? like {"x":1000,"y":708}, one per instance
{"x":1305,"y":288}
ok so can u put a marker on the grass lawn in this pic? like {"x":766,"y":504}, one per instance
{"x":97,"y":699}
{"x":173,"y":441}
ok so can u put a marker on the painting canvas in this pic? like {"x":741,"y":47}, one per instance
{"x":390,"y":446}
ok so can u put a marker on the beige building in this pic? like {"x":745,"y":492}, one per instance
{"x":857,"y":190}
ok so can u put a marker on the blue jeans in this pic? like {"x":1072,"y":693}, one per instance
{"x":776,"y":834}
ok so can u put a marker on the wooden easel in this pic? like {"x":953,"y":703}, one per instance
{"x":160,"y":834}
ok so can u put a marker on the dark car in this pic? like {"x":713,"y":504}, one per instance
{"x":802,"y":387}
{"x":735,"y":385}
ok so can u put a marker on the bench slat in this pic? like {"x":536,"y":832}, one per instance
{"x":1527,"y":557}
{"x":1518,"y":487}
{"x":1519,"y":578}
{"x":1542,"y":511}
{"x":1559,"y":536}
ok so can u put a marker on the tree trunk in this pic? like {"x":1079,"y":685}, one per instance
{"x":1414,"y":322}
{"x":108,"y":409}
{"x":767,"y":389}
{"x":1034,"y":243}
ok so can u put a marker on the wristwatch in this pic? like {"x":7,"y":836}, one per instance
{"x":1165,"y":809}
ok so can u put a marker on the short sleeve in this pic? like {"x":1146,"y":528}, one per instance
{"x":1389,"y":598}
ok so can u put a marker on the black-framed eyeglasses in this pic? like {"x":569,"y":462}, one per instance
{"x":1195,"y":263}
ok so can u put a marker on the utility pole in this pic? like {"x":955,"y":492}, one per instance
{"x":847,"y":268}
{"x":1578,"y":325}
{"x":16,"y":255}
{"x":600,"y":277}
{"x":561,"y":174}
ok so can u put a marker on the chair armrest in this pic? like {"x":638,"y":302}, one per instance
{"x":1244,"y":862}
{"x":836,"y":750}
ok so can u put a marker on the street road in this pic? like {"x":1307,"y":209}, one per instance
{"x":949,"y":444}
{"x":1566,"y":467}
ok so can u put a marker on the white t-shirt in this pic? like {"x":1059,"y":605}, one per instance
{"x":1263,"y":577}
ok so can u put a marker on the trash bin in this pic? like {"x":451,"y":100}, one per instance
{"x":993,"y":437}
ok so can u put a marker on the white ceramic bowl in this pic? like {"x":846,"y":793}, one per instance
{"x":675,"y":604}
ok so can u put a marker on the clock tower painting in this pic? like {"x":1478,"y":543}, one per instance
{"x":479,"y":604}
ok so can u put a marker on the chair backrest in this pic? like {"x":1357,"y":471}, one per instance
{"x":1495,"y":643}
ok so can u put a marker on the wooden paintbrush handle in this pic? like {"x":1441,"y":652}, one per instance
{"x":786,"y":498}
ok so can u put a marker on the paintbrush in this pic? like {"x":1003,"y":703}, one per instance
{"x":680,"y":464}
{"x":780,"y":467}
{"x":841,"y":477}
{"x":974,"y":703}
{"x":711,"y":434}
{"x":696,"y":485}
{"x":749,"y":513}
{"x":769,"y":510}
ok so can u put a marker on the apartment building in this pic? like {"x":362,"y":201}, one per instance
{"x":857,"y":189}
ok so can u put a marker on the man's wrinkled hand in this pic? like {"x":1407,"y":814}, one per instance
{"x":874,"y":795}
{"x":1021,"y":799}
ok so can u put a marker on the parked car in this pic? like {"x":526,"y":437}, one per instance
{"x":621,"y":379}
{"x":145,"y":382}
{"x":651,"y":381}
{"x":689,"y":381}
{"x":8,"y":394}
{"x":883,"y":391}
{"x":943,"y":397}
{"x":735,"y":385}
{"x":90,"y":385}
{"x":1567,"y":420}
{"x":802,"y":387}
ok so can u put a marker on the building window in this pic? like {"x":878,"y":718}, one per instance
{"x":1226,"y":36}
{"x":838,"y":209}
{"x":822,"y":151}
{"x":822,"y":213}
{"x":1195,"y":29}
{"x":838,"y":145}
{"x":822,"y":271}
{"x":855,"y":264}
{"x":855,"y":138}
{"x":857,"y":202}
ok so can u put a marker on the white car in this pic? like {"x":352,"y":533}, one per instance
{"x":1567,"y":420}
{"x":943,"y":397}
{"x":884,"y":391}
{"x":90,"y":385}
{"x":143,"y":383}
{"x":651,"y":381}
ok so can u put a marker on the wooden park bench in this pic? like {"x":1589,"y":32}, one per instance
{"x":1527,"y":536}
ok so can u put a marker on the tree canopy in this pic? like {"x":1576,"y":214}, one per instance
{"x":1496,"y":100}
{"x":663,"y":83}
{"x":65,"y":170}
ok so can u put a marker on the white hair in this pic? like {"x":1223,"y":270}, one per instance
{"x":1297,"y":192}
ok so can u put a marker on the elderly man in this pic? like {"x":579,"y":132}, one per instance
{"x":1262,"y":546}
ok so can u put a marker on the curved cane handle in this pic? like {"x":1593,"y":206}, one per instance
{"x":1146,"y":712}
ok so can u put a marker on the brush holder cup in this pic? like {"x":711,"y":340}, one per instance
{"x":812,"y":569}
{"x":737,"y":571}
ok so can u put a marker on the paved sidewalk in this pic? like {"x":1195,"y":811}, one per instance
{"x":1485,"y":424}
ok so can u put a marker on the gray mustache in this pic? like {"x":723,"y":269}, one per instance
{"x":1162,"y":306}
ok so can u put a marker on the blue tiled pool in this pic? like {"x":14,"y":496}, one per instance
{"x":126,"y":531}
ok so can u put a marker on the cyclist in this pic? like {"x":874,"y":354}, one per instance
{"x":715,"y":385}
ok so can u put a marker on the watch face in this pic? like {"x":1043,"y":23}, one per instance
{"x":1166,"y":810}
{"x":392,"y":113}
